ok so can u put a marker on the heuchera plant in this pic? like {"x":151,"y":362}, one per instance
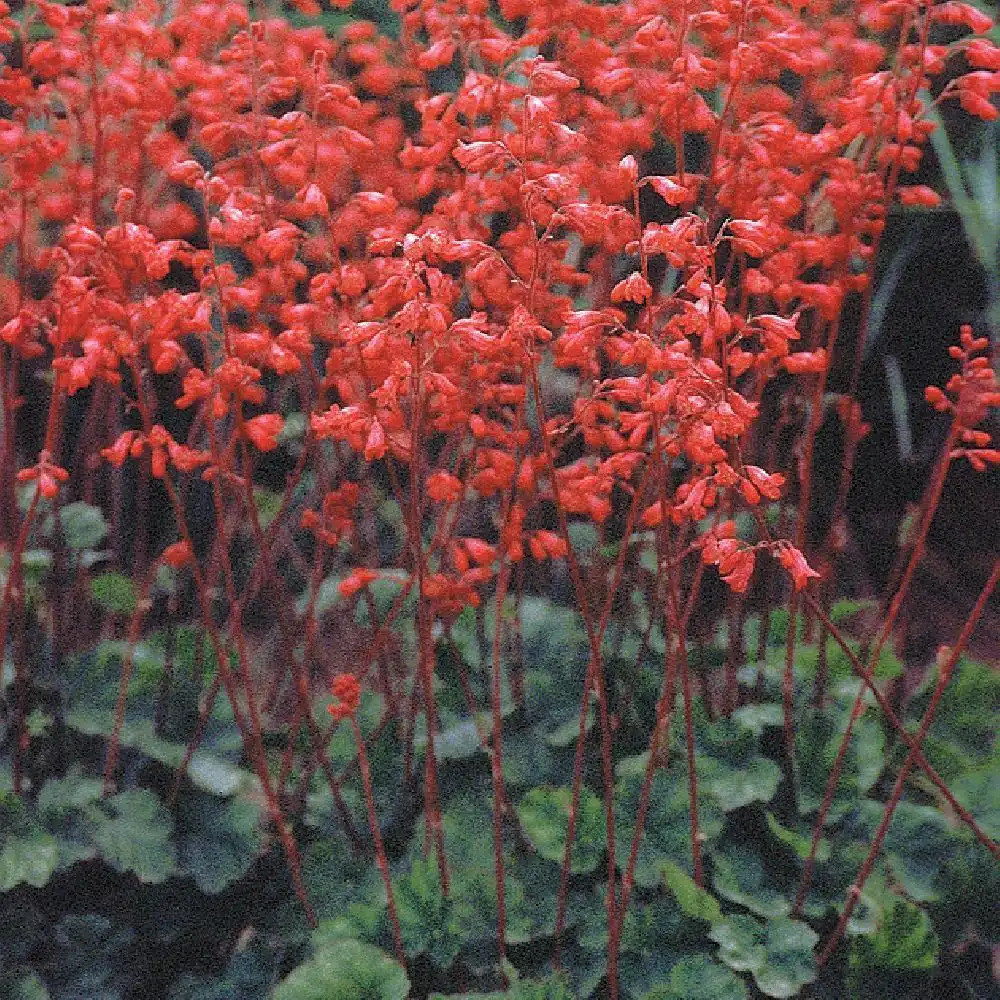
{"x":519,"y":296}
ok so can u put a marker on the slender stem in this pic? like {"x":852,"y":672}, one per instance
{"x":380,"y":857}
{"x":944,"y":676}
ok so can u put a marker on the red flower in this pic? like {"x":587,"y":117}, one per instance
{"x":347,"y":690}
{"x":795,"y":562}
{"x":263,"y":431}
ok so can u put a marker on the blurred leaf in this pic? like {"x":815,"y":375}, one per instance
{"x":733,"y":788}
{"x":63,"y":808}
{"x":904,"y":940}
{"x":29,"y":988}
{"x":30,"y":859}
{"x":217,"y":840}
{"x":739,"y":875}
{"x":133,"y":834}
{"x":247,"y":977}
{"x":778,"y":954}
{"x":83,"y":526}
{"x":800,"y":843}
{"x":90,"y":958}
{"x":346,"y":970}
{"x":760,"y":716}
{"x":918,"y":838}
{"x":667,"y":833}
{"x":212,"y":774}
{"x":552,"y":987}
{"x":979,"y":792}
{"x":696,"y":902}
{"x":963,"y":734}
{"x":335,"y":877}
{"x":426,"y":918}
{"x":699,"y":977}
{"x":461,"y":740}
{"x":268,"y":502}
{"x":544,"y":816}
{"x":114,"y":592}
{"x":818,"y":736}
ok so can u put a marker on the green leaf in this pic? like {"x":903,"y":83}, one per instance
{"x":114,"y":592}
{"x":267,"y":502}
{"x":474,"y":899}
{"x":554,"y":987}
{"x":657,"y":926}
{"x":759,"y":716}
{"x":467,"y":821}
{"x":696,"y":902}
{"x":29,"y":988}
{"x":63,"y":809}
{"x":817,"y":740}
{"x":790,"y":960}
{"x":741,"y":943}
{"x":667,"y":833}
{"x":248,"y":977}
{"x":90,"y":958}
{"x":739,"y":875}
{"x":963,"y":734}
{"x":38,"y":723}
{"x":979,"y":792}
{"x":778,"y":954}
{"x":919,"y":837}
{"x":24,"y":929}
{"x":734,"y":788}
{"x":29,"y":860}
{"x":133,"y":834}
{"x":83,"y":526}
{"x":800,"y":843}
{"x":346,"y":970}
{"x":211,"y":773}
{"x":426,"y":918}
{"x":544,"y":816}
{"x":461,"y":740}
{"x":904,"y":941}
{"x":218,"y":840}
{"x":335,"y":877}
{"x":699,"y":977}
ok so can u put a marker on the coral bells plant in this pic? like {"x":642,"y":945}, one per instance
{"x":363,"y":340}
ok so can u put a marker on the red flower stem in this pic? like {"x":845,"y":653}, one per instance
{"x":563,"y":893}
{"x":831,"y":788}
{"x":698,"y":871}
{"x":380,"y":857}
{"x":142,"y":605}
{"x":13,"y":594}
{"x":414,"y":520}
{"x":250,"y":736}
{"x":944,"y":676}
{"x":887,"y":710}
{"x":931,"y":499}
{"x":657,"y":750}
{"x":303,"y":708}
{"x":496,"y":763}
{"x":865,"y":673}
{"x":204,"y":711}
{"x":595,"y":678}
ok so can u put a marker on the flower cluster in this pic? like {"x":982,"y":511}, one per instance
{"x":346,"y":689}
{"x":669,"y":207}
{"x":414,"y":307}
{"x":969,"y":395}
